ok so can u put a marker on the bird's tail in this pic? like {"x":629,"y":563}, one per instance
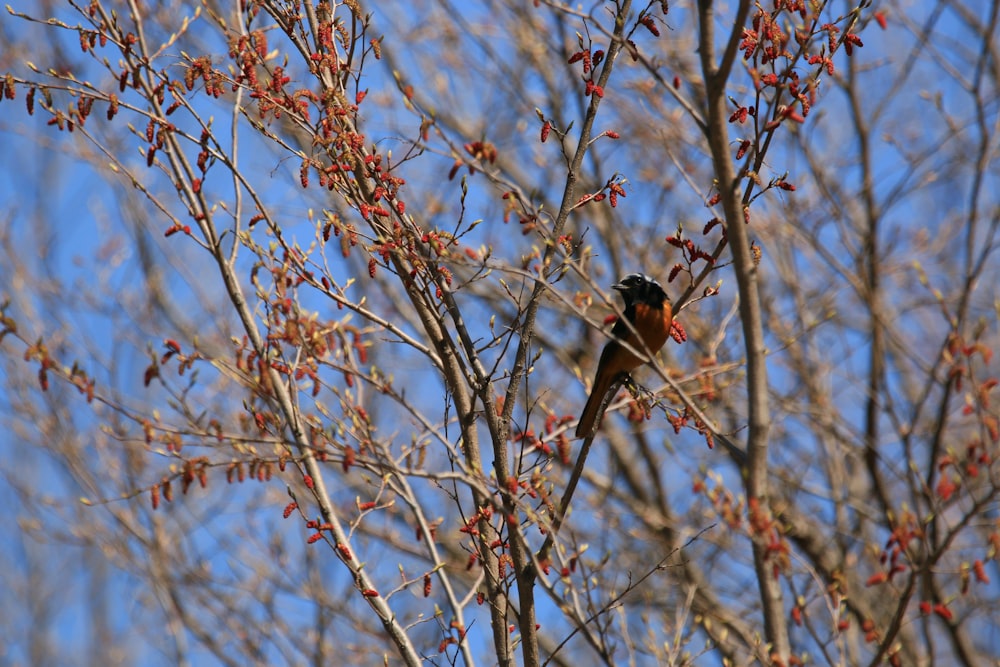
{"x":587,"y":424}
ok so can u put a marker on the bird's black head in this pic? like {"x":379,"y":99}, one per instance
{"x":640,"y":288}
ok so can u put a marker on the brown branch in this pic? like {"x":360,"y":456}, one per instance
{"x":759,"y":419}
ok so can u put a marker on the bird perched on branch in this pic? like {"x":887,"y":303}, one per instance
{"x":647,"y":309}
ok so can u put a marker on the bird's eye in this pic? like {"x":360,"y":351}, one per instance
{"x":633,"y":281}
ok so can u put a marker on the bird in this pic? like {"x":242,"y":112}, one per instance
{"x":648,"y":309}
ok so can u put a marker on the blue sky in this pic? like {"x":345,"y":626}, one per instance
{"x":46,"y":180}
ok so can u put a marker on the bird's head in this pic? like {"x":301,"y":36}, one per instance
{"x":640,"y":288}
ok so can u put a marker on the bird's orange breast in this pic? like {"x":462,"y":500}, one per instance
{"x":653,"y":325}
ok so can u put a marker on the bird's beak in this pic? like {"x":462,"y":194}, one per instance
{"x":619,"y":287}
